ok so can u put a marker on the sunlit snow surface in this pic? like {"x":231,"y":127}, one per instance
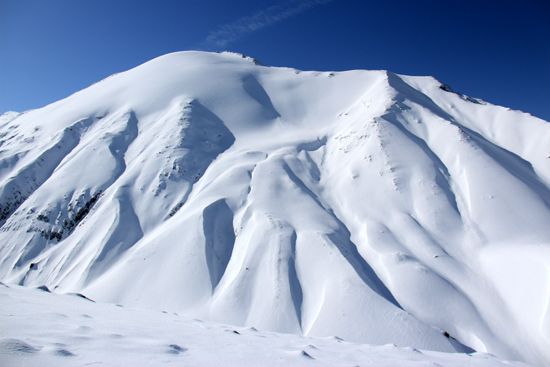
{"x":373,"y":206}
{"x":41,"y":329}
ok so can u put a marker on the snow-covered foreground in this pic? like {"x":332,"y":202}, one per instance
{"x":42,"y":329}
{"x":378,"y":207}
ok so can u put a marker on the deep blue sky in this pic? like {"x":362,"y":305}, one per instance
{"x":496,"y":50}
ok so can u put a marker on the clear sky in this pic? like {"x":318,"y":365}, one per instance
{"x":495,"y":50}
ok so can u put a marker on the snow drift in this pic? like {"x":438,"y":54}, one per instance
{"x":378,"y":207}
{"x":46,"y":329}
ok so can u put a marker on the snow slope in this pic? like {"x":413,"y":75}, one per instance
{"x":41,"y":329}
{"x":378,"y":207}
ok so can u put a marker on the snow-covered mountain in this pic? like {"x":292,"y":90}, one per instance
{"x":378,"y":207}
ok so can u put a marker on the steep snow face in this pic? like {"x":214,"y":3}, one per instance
{"x":373,"y":206}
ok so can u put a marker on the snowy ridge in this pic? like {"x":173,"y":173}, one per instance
{"x":377,"y":207}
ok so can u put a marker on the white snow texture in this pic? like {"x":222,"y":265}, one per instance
{"x":378,"y":207}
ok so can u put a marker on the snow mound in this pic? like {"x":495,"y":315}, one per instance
{"x":61,"y":330}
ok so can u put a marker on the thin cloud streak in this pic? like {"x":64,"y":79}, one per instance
{"x":233,"y":31}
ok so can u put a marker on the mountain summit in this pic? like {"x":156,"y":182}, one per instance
{"x":378,"y":207}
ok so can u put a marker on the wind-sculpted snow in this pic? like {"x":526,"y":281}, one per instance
{"x":373,"y":206}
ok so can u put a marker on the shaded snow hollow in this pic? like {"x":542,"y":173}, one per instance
{"x":378,"y":207}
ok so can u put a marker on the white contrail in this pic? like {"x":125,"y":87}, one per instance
{"x":231,"y":32}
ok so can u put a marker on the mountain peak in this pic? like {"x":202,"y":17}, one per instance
{"x":375,"y":206}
